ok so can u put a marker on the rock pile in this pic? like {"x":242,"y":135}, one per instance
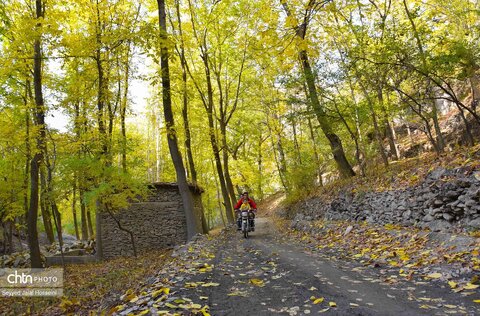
{"x":443,"y":200}
{"x":72,"y":248}
{"x":19,"y":259}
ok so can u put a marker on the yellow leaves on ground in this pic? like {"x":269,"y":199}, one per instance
{"x":393,"y":263}
{"x":210,"y":284}
{"x":115,"y":309}
{"x":204,"y":267}
{"x":470,"y":286}
{"x":192,"y":285}
{"x":129,"y":296}
{"x":452,"y":284}
{"x":316,"y":300}
{"x":163,"y":290}
{"x":434,"y":275}
{"x":67,"y":304}
{"x":476,"y":301}
{"x":257,"y":282}
{"x":238,"y":293}
{"x":319,"y":300}
{"x":390,"y":245}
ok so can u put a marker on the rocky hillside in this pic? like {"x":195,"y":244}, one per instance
{"x":424,"y":190}
{"x":445,"y":199}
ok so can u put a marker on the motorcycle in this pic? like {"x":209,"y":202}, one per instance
{"x":245,"y":217}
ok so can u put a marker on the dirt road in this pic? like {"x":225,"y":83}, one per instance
{"x":269,"y":275}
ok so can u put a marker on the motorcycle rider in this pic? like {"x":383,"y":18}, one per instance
{"x":245,"y":203}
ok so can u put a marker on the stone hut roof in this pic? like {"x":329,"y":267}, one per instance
{"x":173,"y":185}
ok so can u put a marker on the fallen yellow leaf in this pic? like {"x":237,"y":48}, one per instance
{"x":434,"y":275}
{"x":452,"y":284}
{"x":470,"y":286}
{"x":165,"y":290}
{"x":257,"y":282}
{"x":318,"y":300}
{"x":210,"y":284}
{"x":134,"y":299}
{"x":169,"y":305}
{"x":332,"y":304}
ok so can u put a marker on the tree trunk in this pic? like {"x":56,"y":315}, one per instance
{"x":89,"y":223}
{"x":440,"y":143}
{"x":193,"y":224}
{"x":295,"y":141}
{"x":74,"y":207}
{"x":123,"y":110}
{"x":214,"y":143}
{"x":228,"y":179}
{"x":45,"y":207}
{"x":475,"y":90}
{"x":50,"y":199}
{"x":58,"y":223}
{"x":218,"y":165}
{"x":208,"y":104}
{"x":315,"y":152}
{"x":186,"y":123}
{"x":343,"y":165}
{"x":278,"y":154}
{"x":101,"y":91}
{"x":282,"y":163}
{"x":388,"y":127}
{"x":260,"y":166}
{"x":418,"y":112}
{"x":28,"y":151}
{"x":468,"y":130}
{"x":436,"y":124}
{"x":81,"y":178}
{"x":220,"y":208}
{"x":376,"y":129}
{"x":37,"y":159}
{"x":83,"y":214}
{"x":354,"y":138}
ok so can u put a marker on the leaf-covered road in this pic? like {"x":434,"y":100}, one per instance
{"x":268,"y":274}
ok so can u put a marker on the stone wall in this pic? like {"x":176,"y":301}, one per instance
{"x":444,"y":200}
{"x":157,"y":222}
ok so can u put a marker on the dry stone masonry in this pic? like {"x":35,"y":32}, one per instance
{"x":444,"y":200}
{"x":157,"y":222}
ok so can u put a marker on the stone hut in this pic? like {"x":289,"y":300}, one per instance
{"x":156,"y":222}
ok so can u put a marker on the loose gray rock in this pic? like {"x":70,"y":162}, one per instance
{"x":439,"y":225}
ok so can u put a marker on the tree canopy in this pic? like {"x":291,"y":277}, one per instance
{"x":265,"y":95}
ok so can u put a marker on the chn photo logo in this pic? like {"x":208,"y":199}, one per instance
{"x":17,"y":278}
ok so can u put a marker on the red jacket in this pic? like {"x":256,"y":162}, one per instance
{"x":250,"y":201}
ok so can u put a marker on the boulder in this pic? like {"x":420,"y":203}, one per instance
{"x":407,"y":214}
{"x":448,"y":216}
{"x":439,"y":225}
{"x":474,"y":224}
